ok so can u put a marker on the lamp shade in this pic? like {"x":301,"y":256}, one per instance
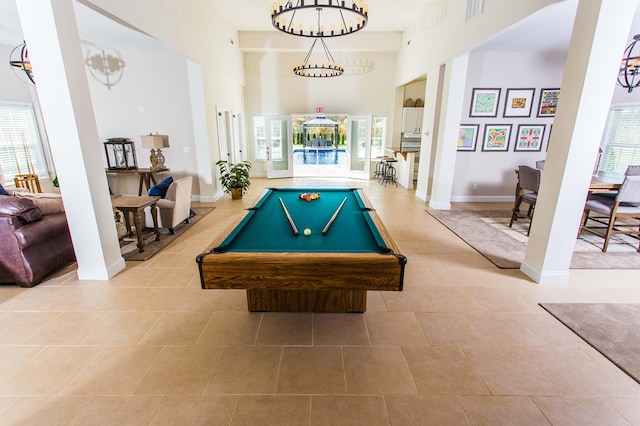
{"x":155,"y":141}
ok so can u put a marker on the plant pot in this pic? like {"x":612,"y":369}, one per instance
{"x":236,"y":193}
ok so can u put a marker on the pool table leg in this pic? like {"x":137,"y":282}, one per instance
{"x":259,"y":300}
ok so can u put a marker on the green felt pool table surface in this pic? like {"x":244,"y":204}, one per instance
{"x":266,"y":227}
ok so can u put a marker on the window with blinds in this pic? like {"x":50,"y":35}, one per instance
{"x":20,"y":146}
{"x":621,"y":143}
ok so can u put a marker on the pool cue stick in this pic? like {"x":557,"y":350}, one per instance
{"x":326,"y":228}
{"x":286,"y":212}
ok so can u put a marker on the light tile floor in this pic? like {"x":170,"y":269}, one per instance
{"x":465,"y":343}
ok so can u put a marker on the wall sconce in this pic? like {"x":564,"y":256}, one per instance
{"x":121,"y":154}
{"x":22,"y":61}
{"x":156,"y":143}
{"x":630,"y":66}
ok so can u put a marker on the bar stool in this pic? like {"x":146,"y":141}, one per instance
{"x":390,"y":172}
{"x":380,"y":166}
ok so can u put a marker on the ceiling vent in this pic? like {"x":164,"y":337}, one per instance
{"x":474,"y":8}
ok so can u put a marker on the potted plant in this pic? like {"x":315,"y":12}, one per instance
{"x":234,"y":177}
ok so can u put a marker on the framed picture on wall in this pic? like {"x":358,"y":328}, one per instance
{"x":518,"y":102}
{"x":484,"y":103}
{"x":548,"y":102}
{"x":496,"y":137}
{"x":530,"y":137}
{"x":467,"y":137}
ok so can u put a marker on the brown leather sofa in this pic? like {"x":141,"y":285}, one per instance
{"x":31,"y":245}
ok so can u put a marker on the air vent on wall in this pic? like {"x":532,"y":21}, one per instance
{"x":474,"y":8}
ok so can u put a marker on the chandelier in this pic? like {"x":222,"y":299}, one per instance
{"x":22,"y":61}
{"x":326,"y":69}
{"x":630,"y":66}
{"x":335,"y":17}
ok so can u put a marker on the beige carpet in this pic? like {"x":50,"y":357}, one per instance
{"x":129,"y":248}
{"x":488,"y":232}
{"x":613,"y":329}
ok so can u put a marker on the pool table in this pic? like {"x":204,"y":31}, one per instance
{"x":321,"y":272}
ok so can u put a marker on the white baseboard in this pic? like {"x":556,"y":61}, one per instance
{"x":439,"y":206}
{"x":102,"y":274}
{"x":207,"y":198}
{"x":421,"y":196}
{"x":482,"y":199}
{"x":553,"y":277}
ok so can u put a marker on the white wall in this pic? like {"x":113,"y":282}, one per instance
{"x":273,"y":88}
{"x":428,"y":46}
{"x":493,"y":172}
{"x":152,"y":96}
{"x":12,"y":88}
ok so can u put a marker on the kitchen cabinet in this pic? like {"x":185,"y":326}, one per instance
{"x":412,"y":120}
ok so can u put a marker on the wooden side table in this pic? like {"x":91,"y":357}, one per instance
{"x":146,"y":176}
{"x":132,"y":204}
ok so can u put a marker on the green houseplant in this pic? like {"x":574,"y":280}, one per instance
{"x":234,"y":177}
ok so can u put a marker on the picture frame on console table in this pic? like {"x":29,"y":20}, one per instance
{"x":484,"y":102}
{"x":468,"y":137}
{"x":496,"y":137}
{"x":530,"y":137}
{"x":518,"y":103}
{"x":548,"y":102}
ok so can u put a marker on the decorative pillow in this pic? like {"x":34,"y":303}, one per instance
{"x":161,"y":188}
{"x":48,"y":203}
{"x":3,"y":191}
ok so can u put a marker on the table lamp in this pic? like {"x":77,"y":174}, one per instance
{"x":156,"y":143}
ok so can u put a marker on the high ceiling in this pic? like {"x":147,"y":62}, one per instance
{"x":253,"y":15}
{"x":547,"y":30}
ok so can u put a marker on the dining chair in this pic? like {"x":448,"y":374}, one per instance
{"x":526,"y":192}
{"x":632,"y":170}
{"x":626,"y":205}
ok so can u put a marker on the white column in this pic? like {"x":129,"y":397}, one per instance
{"x":427,"y":144}
{"x":452,"y":95}
{"x":206,"y":164}
{"x":51,"y":35}
{"x":599,"y":37}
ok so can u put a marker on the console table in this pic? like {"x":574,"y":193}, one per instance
{"x":146,"y":176}
{"x":132,"y":204}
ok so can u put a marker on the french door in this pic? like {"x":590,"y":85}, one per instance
{"x":279,"y":146}
{"x":359,"y":146}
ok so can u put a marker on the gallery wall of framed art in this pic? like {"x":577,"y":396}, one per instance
{"x":529,"y":111}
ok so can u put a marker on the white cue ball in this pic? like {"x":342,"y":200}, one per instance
{"x":307,"y":232}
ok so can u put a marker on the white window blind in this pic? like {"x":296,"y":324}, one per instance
{"x":20,"y":145}
{"x":621,"y":144}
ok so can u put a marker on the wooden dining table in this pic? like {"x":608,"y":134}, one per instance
{"x":598,"y":184}
{"x":605,"y":184}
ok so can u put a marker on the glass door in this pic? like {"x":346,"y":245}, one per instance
{"x":359,"y":146}
{"x":279,"y":145}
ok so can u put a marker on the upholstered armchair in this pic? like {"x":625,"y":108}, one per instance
{"x":175,"y":207}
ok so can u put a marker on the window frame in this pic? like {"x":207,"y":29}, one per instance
{"x":17,"y":135}
{"x":616,"y":155}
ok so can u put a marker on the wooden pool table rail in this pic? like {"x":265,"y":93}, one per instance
{"x":303,"y":281}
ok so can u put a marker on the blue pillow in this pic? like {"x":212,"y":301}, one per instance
{"x":3,"y":191}
{"x":161,"y":188}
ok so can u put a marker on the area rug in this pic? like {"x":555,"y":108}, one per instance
{"x":130,"y":250}
{"x":488,"y":232}
{"x":613,"y":329}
